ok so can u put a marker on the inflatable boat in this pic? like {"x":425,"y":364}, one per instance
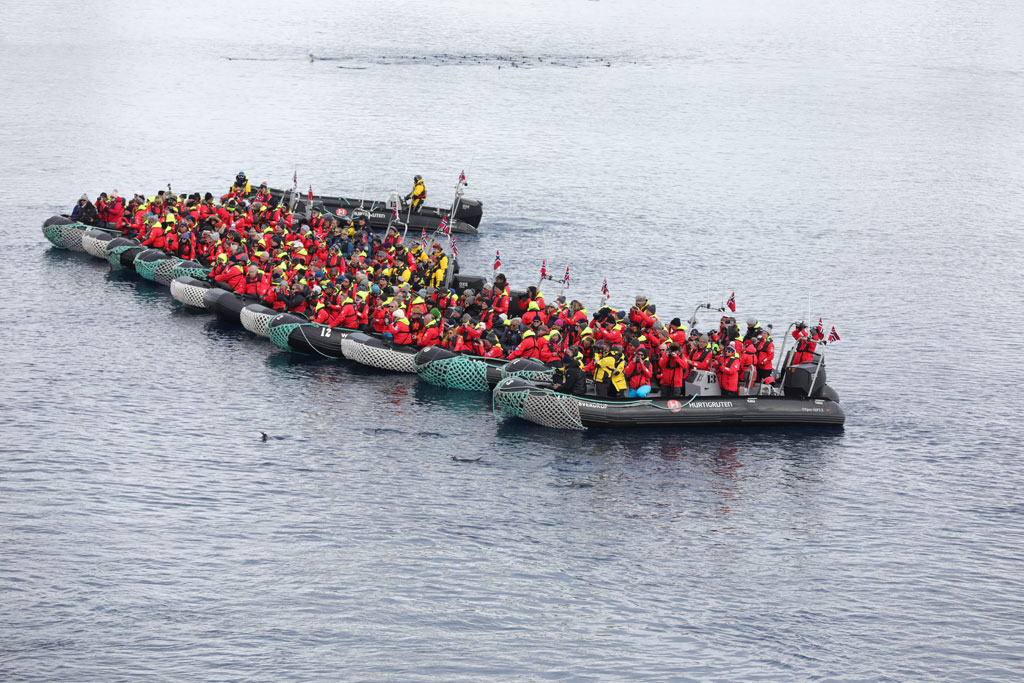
{"x":804,"y":399}
{"x":468,"y":214}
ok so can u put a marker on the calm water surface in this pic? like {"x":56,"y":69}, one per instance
{"x":861,"y":161}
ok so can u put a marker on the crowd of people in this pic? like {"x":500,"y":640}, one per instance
{"x":337,"y":272}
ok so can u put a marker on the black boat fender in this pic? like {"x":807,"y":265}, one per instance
{"x":376,"y":353}
{"x":528,"y":368}
{"x":445,"y":368}
{"x":229,"y":308}
{"x":190,"y":291}
{"x":147,"y":262}
{"x":256,"y":318}
{"x":95,"y":241}
{"x":64,"y":233}
{"x":214,"y":294}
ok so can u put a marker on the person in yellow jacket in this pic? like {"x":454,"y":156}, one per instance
{"x":418,"y":194}
{"x":440,"y":268}
{"x":241,"y":185}
{"x":608,"y":373}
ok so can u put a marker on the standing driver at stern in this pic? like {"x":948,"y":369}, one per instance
{"x":418,"y":194}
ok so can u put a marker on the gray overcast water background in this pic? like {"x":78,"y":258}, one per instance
{"x":864,"y":155}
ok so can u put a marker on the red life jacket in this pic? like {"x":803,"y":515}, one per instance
{"x":401,"y":332}
{"x":765,"y":354}
{"x":252,"y":284}
{"x":155,"y":239}
{"x":638,"y":373}
{"x":702,"y":358}
{"x":673,"y":370}
{"x":804,"y":347}
{"x":728,"y":374}
{"x":429,"y":336}
{"x":346,"y":316}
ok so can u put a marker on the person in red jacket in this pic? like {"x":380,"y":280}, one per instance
{"x":492,"y":347}
{"x":674,"y":369}
{"x":430,"y":335}
{"x":748,"y":361}
{"x":638,"y":375}
{"x":346,"y":315}
{"x":765,"y":355}
{"x":233,"y":276}
{"x":253,"y":281}
{"x":728,"y":369}
{"x":528,"y":348}
{"x":702,"y":356}
{"x":805,"y":345}
{"x":156,"y":238}
{"x":400,"y":329}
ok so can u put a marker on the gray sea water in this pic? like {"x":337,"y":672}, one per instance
{"x":855,"y":161}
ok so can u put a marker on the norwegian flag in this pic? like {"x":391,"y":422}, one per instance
{"x":497,"y":259}
{"x":604,"y":288}
{"x":833,"y":336}
{"x":462,"y":176}
{"x":544,"y":268}
{"x":567,"y":276}
{"x":309,"y":197}
{"x":455,"y":248}
{"x":423,"y":239}
{"x":443,"y":227}
{"x":731,"y":303}
{"x":819,"y":331}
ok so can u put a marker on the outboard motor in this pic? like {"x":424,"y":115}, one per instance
{"x":702,"y":383}
{"x":464,"y":282}
{"x":514,"y":309}
{"x":798,"y":379}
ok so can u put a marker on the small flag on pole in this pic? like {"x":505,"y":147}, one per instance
{"x":295,"y":178}
{"x":462,"y":176}
{"x":604,"y":288}
{"x":309,"y":197}
{"x":833,"y":336}
{"x":819,"y":331}
{"x":423,"y":239}
{"x":497,"y":259}
{"x":543,"y":269}
{"x":443,"y":227}
{"x":731,"y":303}
{"x":455,"y":248}
{"x":567,"y":276}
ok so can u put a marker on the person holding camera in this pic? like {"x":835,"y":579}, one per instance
{"x":608,"y":367}
{"x":674,"y":366}
{"x":805,"y":344}
{"x":638,"y":374}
